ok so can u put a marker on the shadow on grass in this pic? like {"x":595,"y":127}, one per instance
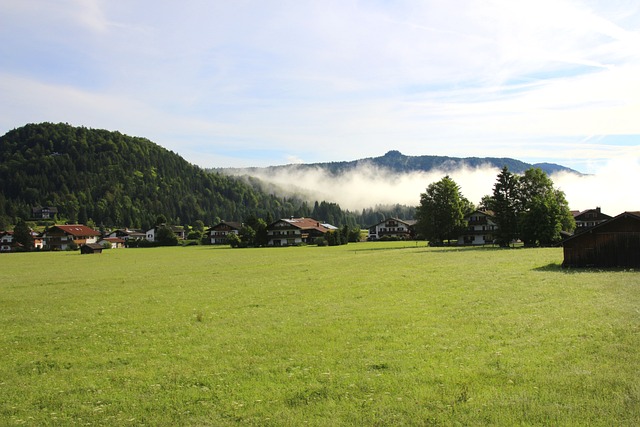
{"x":556,"y":267}
{"x":436,"y":249}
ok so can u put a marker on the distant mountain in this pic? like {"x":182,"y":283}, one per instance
{"x":395,"y":161}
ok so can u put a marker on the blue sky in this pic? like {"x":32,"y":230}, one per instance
{"x":256,"y":83}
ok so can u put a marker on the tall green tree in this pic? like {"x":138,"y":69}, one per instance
{"x":166,"y":237}
{"x":505,"y":204}
{"x":22,"y":235}
{"x":441,"y":211}
{"x":545,"y":210}
{"x":247,"y":235}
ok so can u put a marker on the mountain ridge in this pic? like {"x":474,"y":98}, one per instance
{"x":395,"y":161}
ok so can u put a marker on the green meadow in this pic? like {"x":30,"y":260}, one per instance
{"x":373,"y":334}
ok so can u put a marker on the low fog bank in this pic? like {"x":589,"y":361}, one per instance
{"x":614,"y":188}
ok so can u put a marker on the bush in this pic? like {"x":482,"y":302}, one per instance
{"x":233,"y":240}
{"x":321,"y":241}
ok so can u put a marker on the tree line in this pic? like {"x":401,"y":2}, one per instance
{"x":525,"y":207}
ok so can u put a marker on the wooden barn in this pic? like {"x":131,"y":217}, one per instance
{"x":91,"y":248}
{"x":613,"y":243}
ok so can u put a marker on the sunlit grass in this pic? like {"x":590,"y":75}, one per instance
{"x":363,"y":334}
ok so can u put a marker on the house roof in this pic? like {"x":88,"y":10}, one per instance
{"x":92,"y":246}
{"x":77,"y":230}
{"x":113,"y":240}
{"x":484,"y":212}
{"x":231,"y":224}
{"x":305,"y":224}
{"x":598,"y":214}
{"x":635,"y":215}
{"x":409,"y":222}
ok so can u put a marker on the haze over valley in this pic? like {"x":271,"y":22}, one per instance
{"x":613,"y":187}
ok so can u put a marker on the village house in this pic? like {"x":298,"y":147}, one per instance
{"x":392,"y":228}
{"x":177,"y":230}
{"x":38,"y":242}
{"x":44,"y":212}
{"x":613,"y":243}
{"x":113,"y":242}
{"x":6,"y":241}
{"x":126,"y":234}
{"x":480,"y":230}
{"x":588,"y":218}
{"x":295,"y":231}
{"x":217,"y":234}
{"x":63,"y":237}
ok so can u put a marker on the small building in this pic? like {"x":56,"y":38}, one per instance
{"x":177,"y":230}
{"x":589,"y":218}
{"x":613,"y":243}
{"x":126,"y":234}
{"x":44,"y":212}
{"x":217,"y":234}
{"x":38,"y":242}
{"x":6,"y":241}
{"x":91,"y":248}
{"x":392,"y":228}
{"x":481,"y":228}
{"x":63,"y":237}
{"x":113,"y":242}
{"x":295,"y":231}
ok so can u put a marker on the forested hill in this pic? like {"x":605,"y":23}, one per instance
{"x":115,"y":179}
{"x":399,"y":163}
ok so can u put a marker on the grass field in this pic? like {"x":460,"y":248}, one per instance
{"x":365,"y":334}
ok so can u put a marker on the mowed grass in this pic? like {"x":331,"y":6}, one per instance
{"x":363,"y":334}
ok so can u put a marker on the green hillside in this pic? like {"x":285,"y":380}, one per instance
{"x":115,"y":179}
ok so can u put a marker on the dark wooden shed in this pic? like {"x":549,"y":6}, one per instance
{"x":614,"y":243}
{"x":91,"y":248}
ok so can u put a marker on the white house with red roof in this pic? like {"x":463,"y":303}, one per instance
{"x":113,"y":242}
{"x":63,"y":237}
{"x":295,"y":231}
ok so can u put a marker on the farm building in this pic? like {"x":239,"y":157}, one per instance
{"x":392,"y":228}
{"x":113,"y":242}
{"x":295,"y":231}
{"x":63,"y":237}
{"x":589,"y":218}
{"x":613,"y":243}
{"x":481,"y":227}
{"x":91,"y":248}
{"x":218,"y":233}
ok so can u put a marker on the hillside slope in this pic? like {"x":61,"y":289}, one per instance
{"x":115,"y":179}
